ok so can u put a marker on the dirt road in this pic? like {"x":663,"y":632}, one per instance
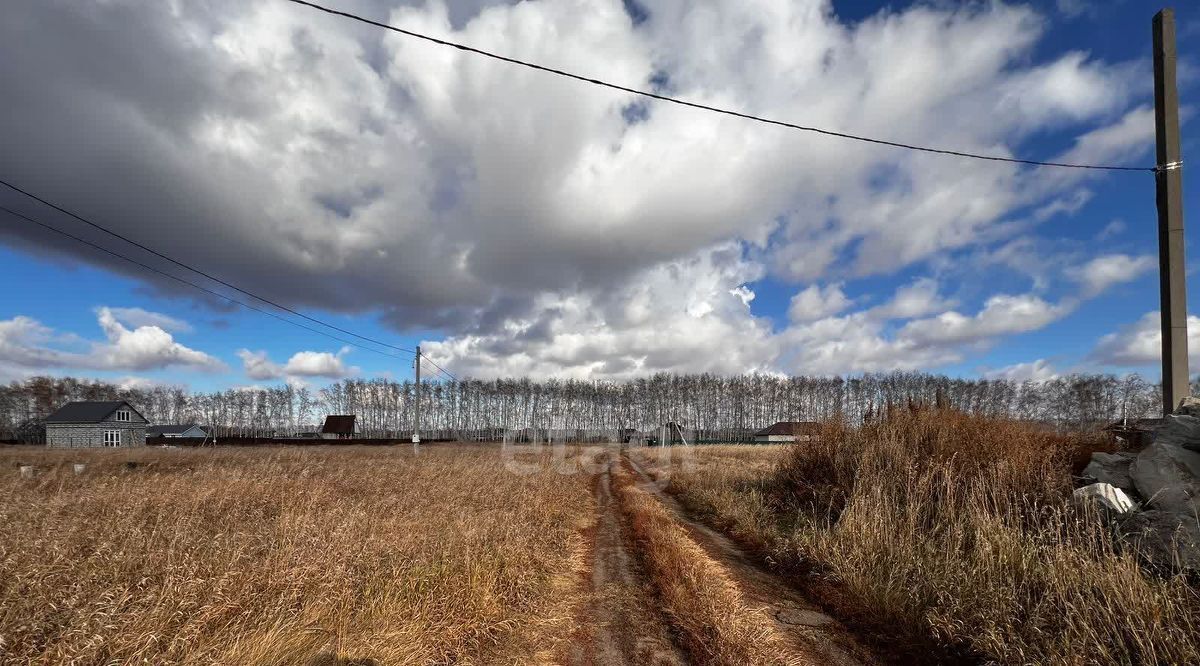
{"x":812,"y":633}
{"x":620,"y":621}
{"x":619,"y":615}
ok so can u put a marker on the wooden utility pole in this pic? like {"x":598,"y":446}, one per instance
{"x":1169,"y":185}
{"x":416,"y":438}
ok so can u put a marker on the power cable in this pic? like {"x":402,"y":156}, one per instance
{"x":440,"y":368}
{"x":432,"y":374}
{"x":198,"y":271}
{"x":190,"y":283}
{"x":214,"y":293}
{"x":211,"y":277}
{"x":706,"y":107}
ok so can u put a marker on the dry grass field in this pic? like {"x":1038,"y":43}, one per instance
{"x":948,"y":538}
{"x":286,"y":556}
{"x":933,"y":537}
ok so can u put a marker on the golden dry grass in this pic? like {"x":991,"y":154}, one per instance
{"x":729,"y":486}
{"x":950,"y":537}
{"x":285,"y":556}
{"x":699,"y":597}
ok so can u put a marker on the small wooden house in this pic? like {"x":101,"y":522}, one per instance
{"x":340,"y":426}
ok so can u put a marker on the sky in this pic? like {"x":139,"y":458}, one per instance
{"x":514,"y":223}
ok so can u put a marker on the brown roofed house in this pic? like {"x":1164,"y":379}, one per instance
{"x":339,"y":426}
{"x":789,"y":431}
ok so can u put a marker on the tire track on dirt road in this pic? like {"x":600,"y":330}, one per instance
{"x":809,"y":630}
{"x":620,"y":621}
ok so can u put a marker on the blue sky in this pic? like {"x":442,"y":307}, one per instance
{"x":519,"y":226}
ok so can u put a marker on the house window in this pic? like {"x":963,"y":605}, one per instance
{"x":112,"y":437}
{"x":122,"y":414}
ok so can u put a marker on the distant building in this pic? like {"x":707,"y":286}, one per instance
{"x":174,"y":431}
{"x":789,"y":431}
{"x":96,"y":424}
{"x":308,"y":431}
{"x":343,"y":426}
{"x":1134,"y":433}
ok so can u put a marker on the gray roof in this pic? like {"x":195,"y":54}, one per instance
{"x":790,"y":428}
{"x":170,"y":429}
{"x":87,"y":411}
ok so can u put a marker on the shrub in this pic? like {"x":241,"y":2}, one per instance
{"x":958,"y":531}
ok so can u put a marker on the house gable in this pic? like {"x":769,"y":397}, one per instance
{"x":134,"y":417}
{"x":95,"y":411}
{"x":340,"y":424}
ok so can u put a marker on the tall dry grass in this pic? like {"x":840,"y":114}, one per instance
{"x":730,"y":486}
{"x":285,"y":556}
{"x":954,"y":538}
{"x":702,"y":601}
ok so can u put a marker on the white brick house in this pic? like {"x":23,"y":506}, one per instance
{"x":789,"y":431}
{"x":97,"y":424}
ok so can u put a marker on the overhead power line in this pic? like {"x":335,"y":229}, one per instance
{"x":197,"y":271}
{"x":440,"y":368}
{"x":428,"y":371}
{"x":207,"y":275}
{"x":706,"y":107}
{"x":189,"y":283}
{"x":206,"y":290}
{"x":422,"y":358}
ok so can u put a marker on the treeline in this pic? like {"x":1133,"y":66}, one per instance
{"x":713,"y":407}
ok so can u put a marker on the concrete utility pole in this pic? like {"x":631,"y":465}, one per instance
{"x":417,"y":412}
{"x":1169,"y":186}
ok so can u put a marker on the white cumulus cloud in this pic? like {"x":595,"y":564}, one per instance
{"x":258,"y":365}
{"x":138,"y":317}
{"x":1099,"y":274}
{"x":26,"y":343}
{"x":1038,"y":371}
{"x":685,"y":316}
{"x":144,"y":348}
{"x":816,"y":302}
{"x":1004,"y":314}
{"x":548,"y":226}
{"x":1140,"y":343}
{"x":918,"y":299}
{"x":303,"y":364}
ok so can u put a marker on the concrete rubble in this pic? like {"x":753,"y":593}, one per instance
{"x":1163,"y":479}
{"x":1107,"y":496}
{"x":1167,"y":474}
{"x":1110,"y":468}
{"x":1165,"y":538}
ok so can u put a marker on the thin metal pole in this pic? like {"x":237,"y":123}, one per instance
{"x":1169,"y":195}
{"x":416,"y":438}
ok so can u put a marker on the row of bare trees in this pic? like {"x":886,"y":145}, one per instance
{"x":713,"y":407}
